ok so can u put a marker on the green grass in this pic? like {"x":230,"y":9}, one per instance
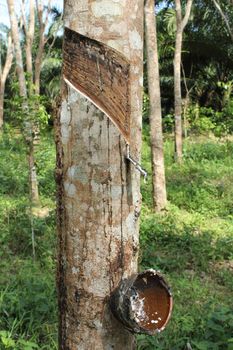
{"x":191,"y":243}
{"x":28,"y":316}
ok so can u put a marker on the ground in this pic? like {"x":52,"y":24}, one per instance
{"x":191,"y":243}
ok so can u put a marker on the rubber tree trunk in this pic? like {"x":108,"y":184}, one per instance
{"x":98,"y":190}
{"x":18,"y":51}
{"x":23,"y":92}
{"x":177,"y":94}
{"x":33,"y":176}
{"x":1,"y":107}
{"x":181,"y":23}
{"x":43,"y":14}
{"x":156,"y":134}
{"x":224,"y":17}
{"x":29,"y":36}
{"x":4,"y":72}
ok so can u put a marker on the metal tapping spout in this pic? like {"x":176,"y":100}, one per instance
{"x":143,"y":303}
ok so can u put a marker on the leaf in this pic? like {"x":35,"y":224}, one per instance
{"x":6,"y":340}
{"x":205,"y":345}
{"x":28,"y":345}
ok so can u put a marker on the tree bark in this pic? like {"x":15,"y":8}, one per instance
{"x":1,"y":107}
{"x":33,"y":176}
{"x":177,"y":94}
{"x":17,"y":47}
{"x":156,"y":134}
{"x":42,"y":42}
{"x":224,"y":18}
{"x":29,"y":30}
{"x":98,"y":190}
{"x":4,"y":74}
{"x":180,"y":25}
{"x":23,"y":92}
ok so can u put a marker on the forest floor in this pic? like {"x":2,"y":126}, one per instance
{"x":191,"y":243}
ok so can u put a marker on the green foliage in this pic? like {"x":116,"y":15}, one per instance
{"x":204,"y":120}
{"x":214,"y":327}
{"x":27,"y":111}
{"x":191,"y":244}
{"x":168,"y":123}
{"x":51,"y":76}
{"x":27,"y":307}
{"x":146,"y":108}
{"x":45,"y":160}
{"x":28,"y":316}
{"x":201,"y":119}
{"x":218,"y":331}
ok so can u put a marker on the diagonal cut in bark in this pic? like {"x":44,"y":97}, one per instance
{"x":101,"y":74}
{"x":143,"y":303}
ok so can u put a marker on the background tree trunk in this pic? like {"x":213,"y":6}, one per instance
{"x":23,"y":92}
{"x":156,"y":134}
{"x":29,"y":33}
{"x":1,"y":106}
{"x":4,"y":71}
{"x":180,"y":25}
{"x":17,"y":47}
{"x":43,"y":21}
{"x":98,"y":191}
{"x":224,"y":18}
{"x":177,"y":94}
{"x":33,"y":175}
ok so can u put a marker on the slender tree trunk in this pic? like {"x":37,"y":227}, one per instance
{"x":4,"y":71}
{"x":23,"y":92}
{"x":18,"y":51}
{"x":42,"y":41}
{"x":156,"y":134}
{"x":177,"y":94}
{"x":1,"y":106}
{"x":38,"y":63}
{"x":180,"y":25}
{"x":98,"y":190}
{"x":29,"y":33}
{"x":186,"y":106}
{"x":32,"y":175}
{"x":186,"y":103}
{"x":224,"y":18}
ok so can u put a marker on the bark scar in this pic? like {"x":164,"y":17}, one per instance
{"x":101,"y":74}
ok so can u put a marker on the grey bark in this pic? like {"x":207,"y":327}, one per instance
{"x":42,"y":41}
{"x":17,"y":47}
{"x":23,"y":92}
{"x":224,"y":18}
{"x":98,"y":191}
{"x":29,"y":30}
{"x":4,"y":71}
{"x":1,"y":107}
{"x":181,"y":23}
{"x":156,"y":134}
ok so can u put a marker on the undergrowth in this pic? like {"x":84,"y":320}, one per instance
{"x":28,"y":316}
{"x":190,"y":243}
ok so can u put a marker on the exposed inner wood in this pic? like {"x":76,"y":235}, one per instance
{"x":101,"y":74}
